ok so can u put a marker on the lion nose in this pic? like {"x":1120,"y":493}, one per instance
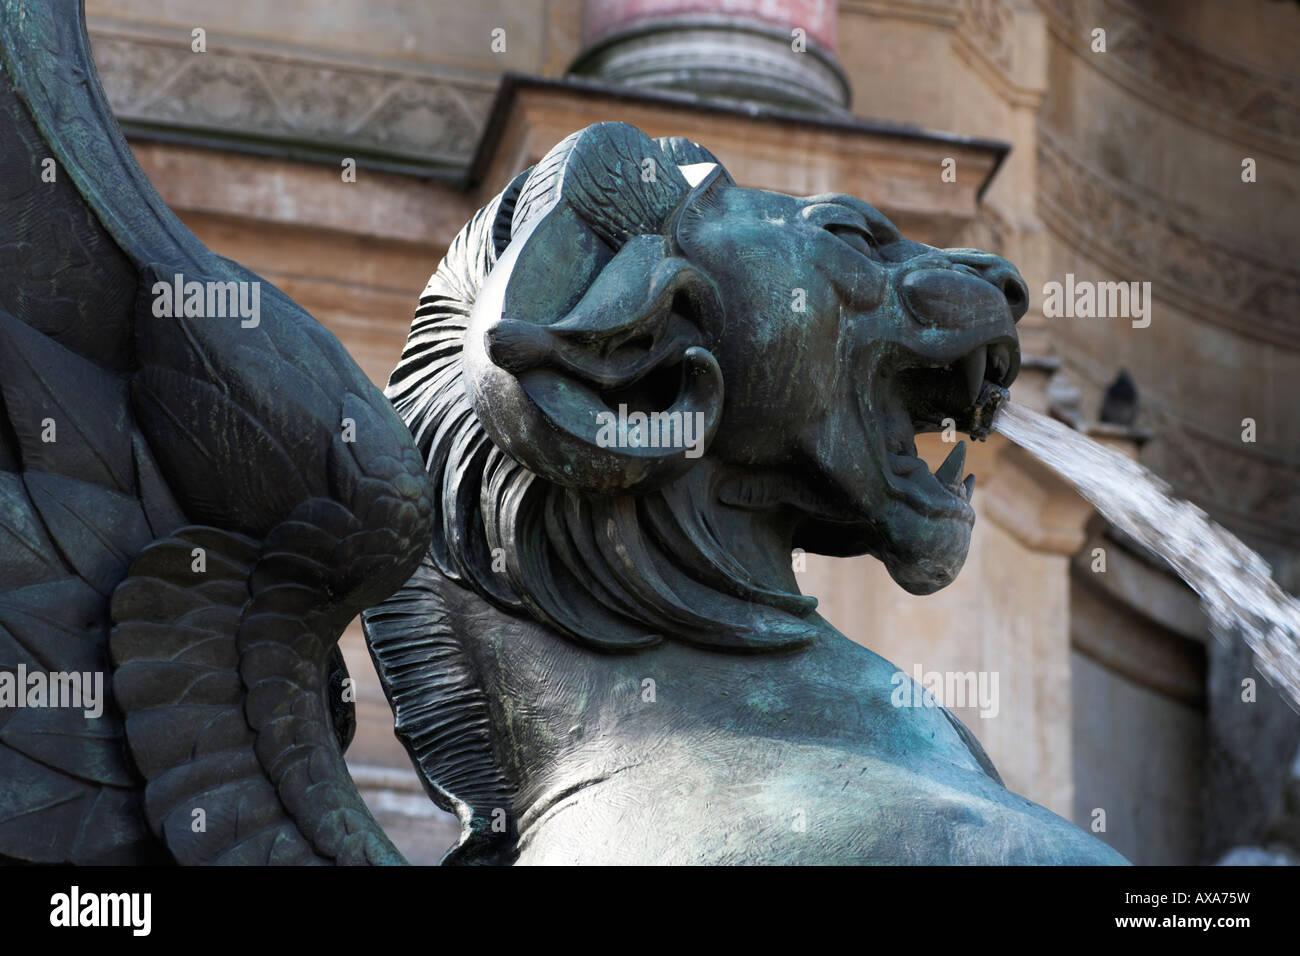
{"x":1001,"y":273}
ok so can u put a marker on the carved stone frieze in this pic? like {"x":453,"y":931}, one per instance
{"x":1179,"y":76}
{"x":1197,"y":269}
{"x":989,"y":24}
{"x":292,"y":100}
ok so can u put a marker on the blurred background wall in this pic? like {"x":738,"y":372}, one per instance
{"x":1162,"y":149}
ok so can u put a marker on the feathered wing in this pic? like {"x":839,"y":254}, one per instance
{"x":193,"y":507}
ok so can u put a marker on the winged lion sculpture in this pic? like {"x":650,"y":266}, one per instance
{"x":624,"y":399}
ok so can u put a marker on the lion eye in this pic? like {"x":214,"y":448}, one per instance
{"x":857,"y":237}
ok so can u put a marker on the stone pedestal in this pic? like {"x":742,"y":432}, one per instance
{"x":746,"y":51}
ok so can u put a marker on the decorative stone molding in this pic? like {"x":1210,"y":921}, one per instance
{"x":291,"y":102}
{"x":1252,"y":492}
{"x":939,"y":13}
{"x":1121,"y":228}
{"x":1180,"y":77}
{"x":603,"y":18}
{"x":989,"y":24}
{"x":1248,"y":488}
{"x":1002,"y":42}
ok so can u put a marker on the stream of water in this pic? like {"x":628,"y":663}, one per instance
{"x":1234,"y":583}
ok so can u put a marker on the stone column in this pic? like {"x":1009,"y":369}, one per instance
{"x":773,"y":52}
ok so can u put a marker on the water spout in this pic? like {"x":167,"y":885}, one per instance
{"x":1235,"y":584}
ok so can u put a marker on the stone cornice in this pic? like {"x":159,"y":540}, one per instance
{"x":879,"y":159}
{"x":986,"y":34}
{"x":277,"y":99}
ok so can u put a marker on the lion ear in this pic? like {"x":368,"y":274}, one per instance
{"x":599,"y":378}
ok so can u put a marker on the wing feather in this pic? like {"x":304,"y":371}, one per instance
{"x":181,"y":513}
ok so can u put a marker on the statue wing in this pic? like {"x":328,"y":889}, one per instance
{"x":193,"y":507}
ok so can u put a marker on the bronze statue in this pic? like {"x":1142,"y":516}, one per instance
{"x":631,"y":388}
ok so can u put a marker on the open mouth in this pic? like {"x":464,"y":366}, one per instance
{"x":922,"y":394}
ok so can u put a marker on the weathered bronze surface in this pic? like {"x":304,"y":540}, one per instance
{"x":181,"y":511}
{"x":632,"y":388}
{"x":605,"y":652}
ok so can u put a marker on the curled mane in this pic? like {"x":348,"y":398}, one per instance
{"x":613,"y":572}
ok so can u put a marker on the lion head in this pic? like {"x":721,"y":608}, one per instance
{"x":639,"y":386}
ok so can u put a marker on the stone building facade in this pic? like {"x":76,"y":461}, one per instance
{"x":1114,"y":156}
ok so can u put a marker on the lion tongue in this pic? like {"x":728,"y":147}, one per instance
{"x":949,"y":473}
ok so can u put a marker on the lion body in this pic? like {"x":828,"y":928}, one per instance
{"x":811,"y":805}
{"x":687,"y":755}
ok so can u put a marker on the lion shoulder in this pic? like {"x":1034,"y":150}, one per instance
{"x":771,"y":801}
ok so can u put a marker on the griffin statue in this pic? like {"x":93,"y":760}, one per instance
{"x":624,"y":400}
